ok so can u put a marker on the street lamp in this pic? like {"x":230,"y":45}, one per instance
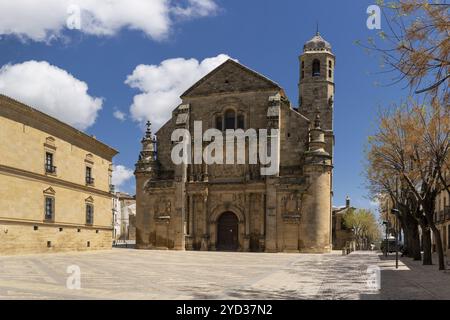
{"x":396,"y":212}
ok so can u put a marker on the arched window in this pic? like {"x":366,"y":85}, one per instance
{"x":330,"y":64}
{"x":316,"y":68}
{"x":230,"y":119}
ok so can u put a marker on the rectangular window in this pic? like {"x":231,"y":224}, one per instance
{"x":89,"y":179}
{"x":49,"y":167}
{"x":89,"y":214}
{"x":49,"y":208}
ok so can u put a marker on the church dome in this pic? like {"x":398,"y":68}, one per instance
{"x":317,"y":43}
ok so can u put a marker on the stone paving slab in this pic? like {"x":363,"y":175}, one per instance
{"x":412,"y":280}
{"x":140,"y":274}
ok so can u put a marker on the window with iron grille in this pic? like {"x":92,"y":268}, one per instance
{"x":49,"y":208}
{"x":89,"y":214}
{"x":49,"y":167}
{"x":89,"y":179}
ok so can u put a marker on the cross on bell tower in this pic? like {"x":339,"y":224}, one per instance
{"x":147,"y":162}
{"x":316,"y":85}
{"x":148,"y":132}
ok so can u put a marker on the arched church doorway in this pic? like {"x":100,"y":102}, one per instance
{"x":227,"y":232}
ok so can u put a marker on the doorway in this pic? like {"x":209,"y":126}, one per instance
{"x":227,"y":232}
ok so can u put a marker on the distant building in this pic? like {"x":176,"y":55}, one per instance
{"x":54,"y":184}
{"x":124,"y":216}
{"x":342,"y":236}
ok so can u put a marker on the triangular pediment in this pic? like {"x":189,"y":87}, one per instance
{"x":231,"y":76}
{"x":49,"y":191}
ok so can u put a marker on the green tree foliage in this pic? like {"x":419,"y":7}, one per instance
{"x":364,"y":226}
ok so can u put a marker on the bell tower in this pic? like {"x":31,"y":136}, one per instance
{"x":316,"y":86}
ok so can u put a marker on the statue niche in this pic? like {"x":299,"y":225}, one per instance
{"x":291,"y":208}
{"x":163,"y":208}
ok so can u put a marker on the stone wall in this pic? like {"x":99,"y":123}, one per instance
{"x":27,"y":135}
{"x":31,"y":238}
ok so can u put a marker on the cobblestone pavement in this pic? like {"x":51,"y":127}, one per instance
{"x":136,"y":274}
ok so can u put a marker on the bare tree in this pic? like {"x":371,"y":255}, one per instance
{"x":402,"y":147}
{"x":416,"y":44}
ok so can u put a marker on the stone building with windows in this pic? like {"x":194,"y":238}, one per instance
{"x":232,"y":206}
{"x":55,"y":184}
{"x":124,"y":216}
{"x":342,"y":235}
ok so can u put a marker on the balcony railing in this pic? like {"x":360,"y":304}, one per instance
{"x":89,"y":181}
{"x":50,"y":169}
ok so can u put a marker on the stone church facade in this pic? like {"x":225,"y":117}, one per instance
{"x":234,"y":207}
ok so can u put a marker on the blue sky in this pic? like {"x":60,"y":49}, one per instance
{"x":266,"y":35}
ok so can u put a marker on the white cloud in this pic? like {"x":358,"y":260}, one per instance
{"x":161,"y":86}
{"x":51,"y":90}
{"x":46,"y":20}
{"x":121,"y":175}
{"x":119,"y":115}
{"x":196,"y":8}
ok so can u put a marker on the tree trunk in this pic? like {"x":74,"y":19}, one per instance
{"x":439,"y":247}
{"x":415,"y":243}
{"x":407,"y":244}
{"x":406,"y":235}
{"x":426,"y":243}
{"x":414,"y":250}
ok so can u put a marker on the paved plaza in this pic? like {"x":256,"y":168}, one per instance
{"x":135,"y":274}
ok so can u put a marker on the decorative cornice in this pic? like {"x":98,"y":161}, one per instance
{"x":17,"y":111}
{"x":52,"y":180}
{"x":53,"y":224}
